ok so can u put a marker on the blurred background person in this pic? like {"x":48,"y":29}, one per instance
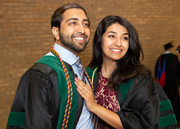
{"x":166,"y":74}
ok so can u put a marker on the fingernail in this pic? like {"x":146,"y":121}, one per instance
{"x":75,"y":79}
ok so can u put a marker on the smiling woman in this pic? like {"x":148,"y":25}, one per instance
{"x":125,"y":94}
{"x":115,"y":44}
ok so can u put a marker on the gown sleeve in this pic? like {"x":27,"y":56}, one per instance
{"x":141,"y":107}
{"x":30,"y":108}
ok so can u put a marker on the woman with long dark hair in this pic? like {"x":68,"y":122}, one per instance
{"x":125,"y":94}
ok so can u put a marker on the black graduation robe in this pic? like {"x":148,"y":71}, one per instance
{"x":171,"y":79}
{"x":37,"y":103}
{"x":144,"y":105}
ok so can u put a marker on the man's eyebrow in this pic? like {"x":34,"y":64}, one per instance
{"x":86,"y":20}
{"x":76,"y":19}
{"x":72,"y":19}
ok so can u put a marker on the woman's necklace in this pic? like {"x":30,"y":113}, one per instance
{"x":105,"y":73}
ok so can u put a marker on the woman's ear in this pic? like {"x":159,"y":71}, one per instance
{"x":55,"y":32}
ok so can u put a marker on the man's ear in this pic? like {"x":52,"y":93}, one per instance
{"x":55,"y":32}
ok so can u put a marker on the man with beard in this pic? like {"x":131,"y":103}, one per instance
{"x":46,"y":97}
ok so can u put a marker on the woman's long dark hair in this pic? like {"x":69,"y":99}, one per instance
{"x":128,"y":66}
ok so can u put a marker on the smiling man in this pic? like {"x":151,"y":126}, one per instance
{"x":46,"y":97}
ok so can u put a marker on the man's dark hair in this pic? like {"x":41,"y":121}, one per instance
{"x":57,"y":18}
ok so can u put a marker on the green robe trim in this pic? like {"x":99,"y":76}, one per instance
{"x":18,"y":118}
{"x":167,"y":120}
{"x":54,"y":63}
{"x":165,"y":105}
{"x":124,"y":88}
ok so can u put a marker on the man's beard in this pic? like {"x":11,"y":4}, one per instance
{"x":68,"y":42}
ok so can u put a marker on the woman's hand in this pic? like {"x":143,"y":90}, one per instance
{"x":108,"y":116}
{"x":86,"y":92}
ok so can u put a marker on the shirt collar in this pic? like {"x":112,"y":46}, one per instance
{"x":65,"y":54}
{"x":166,"y":52}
